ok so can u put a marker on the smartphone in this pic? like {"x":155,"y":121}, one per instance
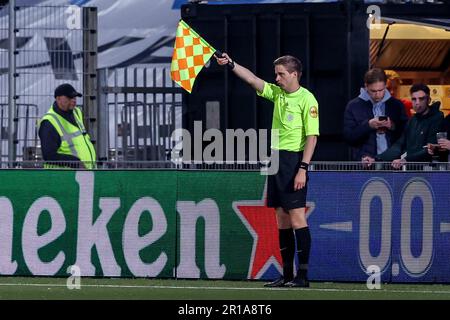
{"x":382,"y":118}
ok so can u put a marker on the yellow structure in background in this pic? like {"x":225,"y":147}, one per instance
{"x":408,"y":31}
{"x":405,"y":31}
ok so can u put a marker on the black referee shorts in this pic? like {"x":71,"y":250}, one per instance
{"x":280,"y":186}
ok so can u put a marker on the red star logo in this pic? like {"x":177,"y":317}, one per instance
{"x":262,"y":225}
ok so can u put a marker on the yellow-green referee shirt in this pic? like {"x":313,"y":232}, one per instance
{"x":295,"y":116}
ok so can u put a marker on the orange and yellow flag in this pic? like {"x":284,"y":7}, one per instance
{"x":190,"y":54}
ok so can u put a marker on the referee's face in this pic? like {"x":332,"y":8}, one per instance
{"x":285,"y":80}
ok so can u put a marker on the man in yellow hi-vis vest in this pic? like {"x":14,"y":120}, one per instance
{"x":64,"y":140}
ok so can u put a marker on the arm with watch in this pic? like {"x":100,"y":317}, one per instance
{"x":300,"y":177}
{"x":240,"y":71}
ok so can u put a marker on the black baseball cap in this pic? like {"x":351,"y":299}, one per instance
{"x":67,"y":90}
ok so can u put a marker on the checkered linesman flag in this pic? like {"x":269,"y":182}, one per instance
{"x":190,"y":54}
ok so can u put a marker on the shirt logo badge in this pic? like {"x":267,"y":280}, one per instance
{"x":290,"y":117}
{"x":313,"y":112}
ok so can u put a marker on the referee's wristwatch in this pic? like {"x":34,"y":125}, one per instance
{"x":304,"y":166}
{"x":231,"y":64}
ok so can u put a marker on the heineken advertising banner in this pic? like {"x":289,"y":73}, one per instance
{"x":214,"y":224}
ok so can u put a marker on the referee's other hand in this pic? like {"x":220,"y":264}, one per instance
{"x":300,"y":180}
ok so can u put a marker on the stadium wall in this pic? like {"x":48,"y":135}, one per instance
{"x":213,"y":224}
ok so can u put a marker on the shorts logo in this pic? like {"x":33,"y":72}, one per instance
{"x":290,"y":117}
{"x":313,"y":112}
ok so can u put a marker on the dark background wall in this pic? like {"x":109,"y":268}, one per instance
{"x":331,"y":40}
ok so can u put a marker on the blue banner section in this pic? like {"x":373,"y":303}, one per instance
{"x":393,"y":223}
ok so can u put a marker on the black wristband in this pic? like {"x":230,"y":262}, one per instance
{"x":304,"y":166}
{"x":231,"y":65}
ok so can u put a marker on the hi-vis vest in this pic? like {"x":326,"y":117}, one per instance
{"x":74,"y":140}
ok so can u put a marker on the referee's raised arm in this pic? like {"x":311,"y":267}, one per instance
{"x":240,"y":71}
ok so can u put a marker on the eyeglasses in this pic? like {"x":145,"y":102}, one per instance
{"x":419,"y":98}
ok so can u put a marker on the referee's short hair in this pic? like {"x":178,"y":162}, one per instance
{"x":291,"y":64}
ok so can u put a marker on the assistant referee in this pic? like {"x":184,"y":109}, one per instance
{"x":295,"y":127}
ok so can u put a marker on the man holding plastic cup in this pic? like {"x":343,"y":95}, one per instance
{"x":443,"y":143}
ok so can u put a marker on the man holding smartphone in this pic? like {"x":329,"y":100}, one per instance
{"x":420,"y":131}
{"x":386,"y":121}
{"x":374,"y":120}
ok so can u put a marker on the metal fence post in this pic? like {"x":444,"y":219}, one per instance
{"x":102,"y":116}
{"x":90,"y":103}
{"x":11,"y":81}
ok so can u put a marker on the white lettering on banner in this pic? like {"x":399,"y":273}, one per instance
{"x":89,"y":233}
{"x":189,"y":214}
{"x":415,"y":189}
{"x":133,"y":243}
{"x":375,"y":188}
{"x":32,"y":242}
{"x":7,"y":265}
{"x":417,"y":266}
{"x":92,"y":232}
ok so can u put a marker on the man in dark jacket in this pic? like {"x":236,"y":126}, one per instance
{"x":420,"y":131}
{"x":374,"y":120}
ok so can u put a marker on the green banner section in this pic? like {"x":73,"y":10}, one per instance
{"x":224,"y":244}
{"x":182,"y":224}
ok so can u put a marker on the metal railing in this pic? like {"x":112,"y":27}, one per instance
{"x":139,"y":108}
{"x":38,"y":163}
{"x":76,"y":165}
{"x":26,"y":119}
{"x":378,"y":166}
